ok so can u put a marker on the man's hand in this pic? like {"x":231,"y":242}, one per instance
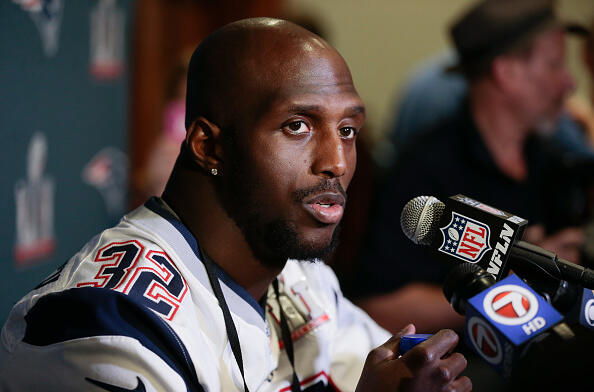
{"x":566,"y":243}
{"x":429,"y":366}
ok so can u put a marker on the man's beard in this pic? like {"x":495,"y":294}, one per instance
{"x":547,"y":123}
{"x":276,"y":241}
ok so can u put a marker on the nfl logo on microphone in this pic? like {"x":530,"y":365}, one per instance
{"x":465,"y":238}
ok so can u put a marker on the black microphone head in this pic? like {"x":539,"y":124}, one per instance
{"x":463,"y":282}
{"x":420,"y":219}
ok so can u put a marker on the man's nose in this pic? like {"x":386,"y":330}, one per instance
{"x":329,"y":157}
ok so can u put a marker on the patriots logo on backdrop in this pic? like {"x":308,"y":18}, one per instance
{"x":465,"y":238}
{"x":108,"y":173}
{"x":47,"y":16}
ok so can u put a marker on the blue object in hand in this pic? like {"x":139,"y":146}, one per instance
{"x":409,"y":341}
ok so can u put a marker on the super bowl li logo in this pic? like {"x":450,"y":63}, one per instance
{"x":465,"y":238}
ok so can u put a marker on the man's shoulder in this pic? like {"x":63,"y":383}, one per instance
{"x":74,"y":329}
{"x":441,"y":134}
{"x":125,"y":292}
{"x":83,"y":313}
{"x":123,"y":260}
{"x":428,"y":152}
{"x":109,"y":259}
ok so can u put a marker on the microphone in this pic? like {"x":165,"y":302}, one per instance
{"x":586,"y":313}
{"x":469,"y":231}
{"x":502,"y":318}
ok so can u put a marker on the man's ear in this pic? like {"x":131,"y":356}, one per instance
{"x":203,"y":141}
{"x":507,"y":72}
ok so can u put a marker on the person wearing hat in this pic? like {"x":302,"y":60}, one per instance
{"x":433,"y":94}
{"x":511,"y":54}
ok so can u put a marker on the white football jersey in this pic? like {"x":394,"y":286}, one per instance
{"x":134,"y":311}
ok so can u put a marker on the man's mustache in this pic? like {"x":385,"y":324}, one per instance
{"x":325,"y":185}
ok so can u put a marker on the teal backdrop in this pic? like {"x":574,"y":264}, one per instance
{"x":79,"y":115}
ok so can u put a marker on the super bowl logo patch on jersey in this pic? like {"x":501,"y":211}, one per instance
{"x":465,"y":238}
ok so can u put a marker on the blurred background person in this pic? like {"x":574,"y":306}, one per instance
{"x":494,"y":148}
{"x":166,"y":147}
{"x":434,"y":94}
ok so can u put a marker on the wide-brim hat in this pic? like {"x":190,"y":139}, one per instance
{"x":493,"y":27}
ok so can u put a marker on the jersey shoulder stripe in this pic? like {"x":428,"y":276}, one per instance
{"x":90,"y":312}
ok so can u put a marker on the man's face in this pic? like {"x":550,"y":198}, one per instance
{"x":291,"y":156}
{"x":544,"y":82}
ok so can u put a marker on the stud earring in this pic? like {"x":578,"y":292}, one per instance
{"x":214,"y":171}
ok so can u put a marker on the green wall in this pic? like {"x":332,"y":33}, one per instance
{"x":78,"y":114}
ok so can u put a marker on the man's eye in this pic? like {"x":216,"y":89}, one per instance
{"x":347,"y":132}
{"x":297,"y":128}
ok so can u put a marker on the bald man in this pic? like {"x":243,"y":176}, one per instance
{"x":201,"y":289}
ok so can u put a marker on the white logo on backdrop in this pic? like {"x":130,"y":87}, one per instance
{"x":107,"y":40}
{"x":34,"y":197}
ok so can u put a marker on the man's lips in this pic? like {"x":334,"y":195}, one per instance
{"x":325,"y":207}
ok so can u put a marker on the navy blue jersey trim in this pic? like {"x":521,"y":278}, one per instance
{"x":335,"y":298}
{"x":52,"y":278}
{"x":114,"y":388}
{"x":89,"y":311}
{"x":154,"y":205}
{"x":239,"y":290}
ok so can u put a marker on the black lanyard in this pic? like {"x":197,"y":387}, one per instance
{"x":229,"y":324}
{"x":287,"y":340}
{"x":232,"y":331}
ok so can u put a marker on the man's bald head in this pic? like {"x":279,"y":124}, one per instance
{"x":236,"y":69}
{"x":272,"y":118}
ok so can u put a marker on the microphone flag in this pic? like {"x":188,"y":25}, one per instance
{"x":474,"y":232}
{"x":587,"y":309}
{"x":502,"y":320}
